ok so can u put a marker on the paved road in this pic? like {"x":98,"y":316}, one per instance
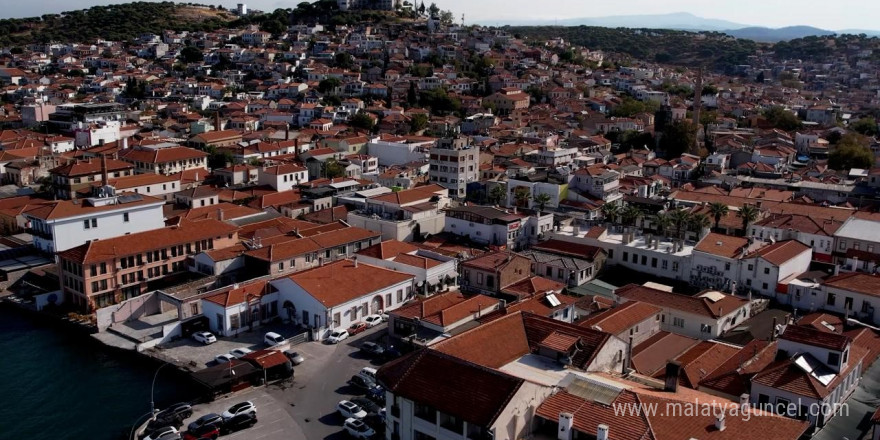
{"x":320,"y":383}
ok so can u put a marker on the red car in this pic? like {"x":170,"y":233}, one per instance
{"x":204,"y":433}
{"x":356,"y":328}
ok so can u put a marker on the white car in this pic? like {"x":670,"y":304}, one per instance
{"x":358,"y":429}
{"x":224,"y":358}
{"x":240,"y":352}
{"x":239,"y":408}
{"x":337,"y":336}
{"x":350,"y":410}
{"x":271,"y":339}
{"x":205,"y":337}
{"x":161,"y":432}
{"x":373,"y":320}
{"x":383,"y":315}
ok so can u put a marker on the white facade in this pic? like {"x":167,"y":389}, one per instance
{"x":60,"y":234}
{"x":433,"y":275}
{"x":285,"y":181}
{"x":396,"y":153}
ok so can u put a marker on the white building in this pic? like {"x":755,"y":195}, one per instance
{"x":500,"y":227}
{"x":453,"y":165}
{"x":705,"y":316}
{"x":404,"y":215}
{"x":431,"y":271}
{"x":283,"y":177}
{"x":64,"y":224}
{"x":398,"y":151}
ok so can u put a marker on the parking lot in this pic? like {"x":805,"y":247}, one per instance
{"x":187,"y":351}
{"x":302,"y":409}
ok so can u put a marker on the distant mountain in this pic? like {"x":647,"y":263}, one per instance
{"x":676,"y":20}
{"x":768,"y":35}
{"x":860,"y":31}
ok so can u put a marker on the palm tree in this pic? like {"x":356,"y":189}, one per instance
{"x":718,"y":211}
{"x":699,"y":222}
{"x":679,"y":218}
{"x":748,"y":214}
{"x":630,"y":215}
{"x":522,"y":196}
{"x":662,"y":222}
{"x":610,"y":211}
{"x":496,"y":194}
{"x":541,"y":200}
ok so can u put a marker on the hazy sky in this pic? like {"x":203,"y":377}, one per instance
{"x":833,"y":15}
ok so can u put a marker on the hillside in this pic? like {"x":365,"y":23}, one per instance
{"x":781,"y":34}
{"x":710,"y":49}
{"x":113,"y":22}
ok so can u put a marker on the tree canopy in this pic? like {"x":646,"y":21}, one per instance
{"x":852,"y":151}
{"x":782,"y":119}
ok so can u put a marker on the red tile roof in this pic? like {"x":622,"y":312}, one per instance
{"x":691,"y":304}
{"x":651,"y":355}
{"x":343,"y":281}
{"x":780,"y":252}
{"x":621,"y":318}
{"x":811,"y":336}
{"x":868,"y":284}
{"x":722,"y":245}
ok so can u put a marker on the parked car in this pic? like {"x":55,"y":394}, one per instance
{"x":368,"y":373}
{"x":205,"y":337}
{"x":361,"y":383}
{"x":240,"y":352}
{"x":383,"y":315}
{"x":337,"y":336}
{"x":238,"y":422}
{"x":161,"y":432}
{"x":376,"y":393}
{"x":224,"y":358}
{"x":175,"y":413}
{"x":240,"y":408}
{"x":366,"y":404}
{"x":372,"y":349}
{"x":295,"y":357}
{"x":358,"y":429}
{"x":391,"y":353}
{"x":272,"y":339}
{"x":171,"y":436}
{"x":350,"y":410}
{"x":211,"y":419}
{"x":206,"y":432}
{"x":357,"y":327}
{"x":373,"y":320}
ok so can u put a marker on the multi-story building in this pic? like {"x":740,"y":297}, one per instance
{"x":165,"y":160}
{"x":104,"y":272}
{"x":508,"y":100}
{"x":60,"y":225}
{"x":432,"y":271}
{"x":598,"y":182}
{"x":404,"y":215}
{"x":857,"y":243}
{"x":453,"y":165}
{"x":70,"y":178}
{"x":283,"y":177}
{"x":499,"y":227}
{"x":490,"y":273}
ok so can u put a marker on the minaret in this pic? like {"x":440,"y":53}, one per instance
{"x":698,"y":104}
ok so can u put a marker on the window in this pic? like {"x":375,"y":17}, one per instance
{"x":865,"y":306}
{"x":480,"y":277}
{"x":425,"y":412}
{"x":94,"y":223}
{"x":451,"y":423}
{"x":782,"y":405}
{"x":625,"y":256}
{"x":664,"y":264}
{"x":86,"y":224}
{"x":653,"y":262}
{"x":833,"y":358}
{"x":125,"y":217}
{"x":726,"y":266}
{"x":675,"y":266}
{"x":490,"y":281}
{"x":611,"y":253}
{"x":842,"y":244}
{"x":766,"y":271}
{"x":678,"y":322}
{"x":831,"y":298}
{"x":103,"y":268}
{"x":419,"y":435}
{"x":280,"y":266}
{"x":764,"y":286}
{"x":751,"y":267}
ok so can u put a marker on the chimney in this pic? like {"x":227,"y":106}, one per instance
{"x":286,"y":132}
{"x":320,"y":261}
{"x":744,"y":402}
{"x":773,"y":330}
{"x":104,"y":178}
{"x":602,"y":432}
{"x":220,"y":214}
{"x":719,"y":422}
{"x":566,"y":423}
{"x":673,"y":369}
{"x":355,"y":261}
{"x":125,"y":143}
{"x":217,"y":121}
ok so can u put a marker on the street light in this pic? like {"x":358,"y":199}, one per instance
{"x":153,"y":389}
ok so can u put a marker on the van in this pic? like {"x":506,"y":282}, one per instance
{"x":273,"y":338}
{"x":368,"y":373}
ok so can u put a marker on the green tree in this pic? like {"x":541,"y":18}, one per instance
{"x":418,"y":122}
{"x":677,"y":138}
{"x":610,"y":212}
{"x":541,"y":200}
{"x":521,"y":196}
{"x":218,"y":158}
{"x":496,"y":194}
{"x":630,"y":215}
{"x":328,"y":85}
{"x":363,"y":121}
{"x":333,"y":169}
{"x":718,"y":210}
{"x":680,"y":219}
{"x":191,"y":54}
{"x":760,"y":78}
{"x":781,"y":118}
{"x":412,"y":94}
{"x":748,"y":214}
{"x":630,"y":107}
{"x":851,"y":151}
{"x":343,"y":60}
{"x":433,"y":9}
{"x":866,"y":126}
{"x":699,"y":222}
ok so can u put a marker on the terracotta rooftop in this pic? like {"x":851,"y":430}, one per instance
{"x":814,"y":337}
{"x":868,"y":284}
{"x":60,"y":209}
{"x":621,"y":318}
{"x":722,"y":245}
{"x":651,"y":355}
{"x":780,"y":252}
{"x":343,"y":281}
{"x":691,"y":304}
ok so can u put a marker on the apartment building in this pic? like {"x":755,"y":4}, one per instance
{"x":104,"y":272}
{"x":69,"y":179}
{"x":499,"y":227}
{"x":404,"y":215}
{"x":454,"y":164}
{"x":164,"y":159}
{"x":63,"y":224}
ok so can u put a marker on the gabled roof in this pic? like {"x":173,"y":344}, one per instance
{"x":868,"y":284}
{"x":816,"y":338}
{"x":446,"y":308}
{"x":388,"y":249}
{"x":651,"y":355}
{"x":621,"y":318}
{"x":453,"y":386}
{"x":89,"y":167}
{"x":698,"y":305}
{"x":722,"y":245}
{"x":780,"y":252}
